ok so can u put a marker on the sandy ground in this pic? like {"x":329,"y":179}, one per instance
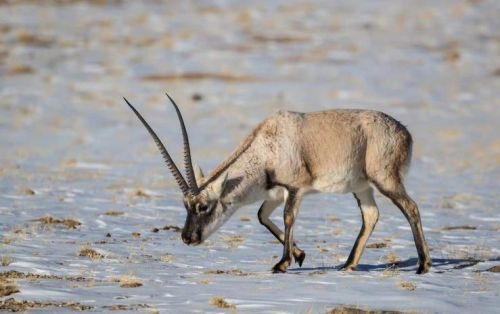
{"x":88,"y":211}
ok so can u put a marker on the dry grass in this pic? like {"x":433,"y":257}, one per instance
{"x":16,"y":234}
{"x":407,"y":285}
{"x":204,"y":281}
{"x":224,"y":77}
{"x":390,"y":272}
{"x":459,"y":201}
{"x":322,"y":249}
{"x":69,"y":223}
{"x":28,"y":191}
{"x":166,"y":258}
{"x":173,"y":228}
{"x":7,"y":239}
{"x":19,"y":69}
{"x":357,"y":310}
{"x":452,"y":55}
{"x":33,"y":40}
{"x":234,"y":241}
{"x":481,"y":281}
{"x":90,"y":253}
{"x":5,"y":261}
{"x":128,"y":281}
{"x":494,"y":269}
{"x":283,"y":39}
{"x":317,"y":272}
{"x":7,"y":288}
{"x":392,"y":258}
{"x":12,"y":305}
{"x":377,"y":245}
{"x":245,"y":218}
{"x":12,"y":274}
{"x":127,"y":307}
{"x":113,"y":213}
{"x":140,"y":192}
{"x":333,"y":218}
{"x":464,"y":227}
{"x":221,"y":303}
{"x":232,"y":272}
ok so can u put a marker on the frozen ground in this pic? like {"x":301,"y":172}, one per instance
{"x":70,"y":148}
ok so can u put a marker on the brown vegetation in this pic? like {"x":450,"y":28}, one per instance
{"x":128,"y":282}
{"x":464,"y":227}
{"x":19,"y":69}
{"x":90,"y":253}
{"x":125,"y":307}
{"x":234,"y":241}
{"x":7,"y":288}
{"x":28,"y":191}
{"x":12,"y":274}
{"x":173,"y":228}
{"x":195,"y":76}
{"x":113,"y":213}
{"x":355,"y":310}
{"x":140,"y":192}
{"x":5,"y":261}
{"x":69,"y":223}
{"x":232,"y":272}
{"x":377,"y":245}
{"x":407,"y":285}
{"x":221,"y":303}
{"x":245,"y":218}
{"x":494,"y":269}
{"x":392,"y":258}
{"x":166,"y":258}
{"x":21,"y":306}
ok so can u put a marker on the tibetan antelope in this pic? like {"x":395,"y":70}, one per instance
{"x":292,"y":154}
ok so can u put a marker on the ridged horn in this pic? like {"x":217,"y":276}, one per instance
{"x":166,"y":156}
{"x":188,"y":164}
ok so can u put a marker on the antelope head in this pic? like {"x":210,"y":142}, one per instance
{"x":206,"y":202}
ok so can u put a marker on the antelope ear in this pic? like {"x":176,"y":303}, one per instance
{"x":198,"y":174}
{"x":218,"y":186}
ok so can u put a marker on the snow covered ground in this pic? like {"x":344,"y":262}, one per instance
{"x":71,"y":149}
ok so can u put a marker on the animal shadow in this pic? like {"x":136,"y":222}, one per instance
{"x":439,"y":265}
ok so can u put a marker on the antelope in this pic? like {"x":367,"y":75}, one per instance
{"x":290,"y":155}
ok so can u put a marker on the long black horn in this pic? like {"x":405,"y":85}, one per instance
{"x":188,"y":164}
{"x":166,"y":156}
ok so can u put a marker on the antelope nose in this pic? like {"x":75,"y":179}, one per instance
{"x":186,"y":240}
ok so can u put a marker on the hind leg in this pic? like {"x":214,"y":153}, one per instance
{"x":369,"y":213}
{"x":394,"y":189}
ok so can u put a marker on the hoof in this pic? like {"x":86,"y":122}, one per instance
{"x":348,"y":268}
{"x":424,"y":267}
{"x":300,"y":258}
{"x":281,"y":267}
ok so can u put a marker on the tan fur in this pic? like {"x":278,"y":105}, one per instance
{"x":292,"y":154}
{"x":302,"y":148}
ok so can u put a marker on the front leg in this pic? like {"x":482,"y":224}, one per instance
{"x":265,"y":211}
{"x":291,"y":209}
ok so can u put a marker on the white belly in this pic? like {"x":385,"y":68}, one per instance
{"x":341,"y":182}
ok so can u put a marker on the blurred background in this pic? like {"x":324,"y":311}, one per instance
{"x":69,"y":146}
